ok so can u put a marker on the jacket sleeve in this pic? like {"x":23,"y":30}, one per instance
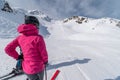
{"x":43,"y":51}
{"x":10,"y":49}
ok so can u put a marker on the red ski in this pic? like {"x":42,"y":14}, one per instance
{"x":55,"y":75}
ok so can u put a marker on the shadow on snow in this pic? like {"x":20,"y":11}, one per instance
{"x":118,"y":78}
{"x":68,"y":63}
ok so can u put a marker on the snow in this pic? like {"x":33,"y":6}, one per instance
{"x":87,"y":51}
{"x":84,"y":53}
{"x":1,"y":3}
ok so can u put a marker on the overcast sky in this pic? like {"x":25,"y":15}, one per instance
{"x":67,"y":8}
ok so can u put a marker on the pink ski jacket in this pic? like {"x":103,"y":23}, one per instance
{"x":32,"y":46}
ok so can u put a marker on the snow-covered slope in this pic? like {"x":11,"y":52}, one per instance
{"x":87,"y":50}
{"x":10,"y":21}
{"x":82,"y":49}
{"x":71,"y":28}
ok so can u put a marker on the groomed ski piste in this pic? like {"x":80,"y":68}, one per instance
{"x":86,"y":51}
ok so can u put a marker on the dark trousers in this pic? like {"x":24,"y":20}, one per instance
{"x":38,"y":76}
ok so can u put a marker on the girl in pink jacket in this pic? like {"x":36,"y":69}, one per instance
{"x":33,"y":49}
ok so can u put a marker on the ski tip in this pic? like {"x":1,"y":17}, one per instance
{"x":55,"y":74}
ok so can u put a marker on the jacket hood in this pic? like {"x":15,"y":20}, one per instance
{"x":27,"y":29}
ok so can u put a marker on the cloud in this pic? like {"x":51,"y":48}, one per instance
{"x":67,"y":8}
{"x":26,"y":4}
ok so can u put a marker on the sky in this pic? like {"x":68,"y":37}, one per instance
{"x":68,"y":8}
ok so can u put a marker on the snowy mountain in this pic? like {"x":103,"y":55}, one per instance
{"x":2,"y":3}
{"x":40,"y":14}
{"x":10,"y":20}
{"x":85,"y":48}
{"x":81,"y":48}
{"x":78,"y":25}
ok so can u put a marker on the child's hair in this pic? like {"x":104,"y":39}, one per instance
{"x":32,"y":20}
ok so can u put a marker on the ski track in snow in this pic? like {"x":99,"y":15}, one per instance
{"x":81,"y":71}
{"x":82,"y":58}
{"x":102,"y":57}
{"x":77,"y":60}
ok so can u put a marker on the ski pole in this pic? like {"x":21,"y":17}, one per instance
{"x":45,"y":73}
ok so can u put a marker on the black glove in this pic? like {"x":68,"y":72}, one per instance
{"x":20,"y":57}
{"x":46,"y":63}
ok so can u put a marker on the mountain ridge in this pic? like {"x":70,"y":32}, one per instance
{"x":47,"y":23}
